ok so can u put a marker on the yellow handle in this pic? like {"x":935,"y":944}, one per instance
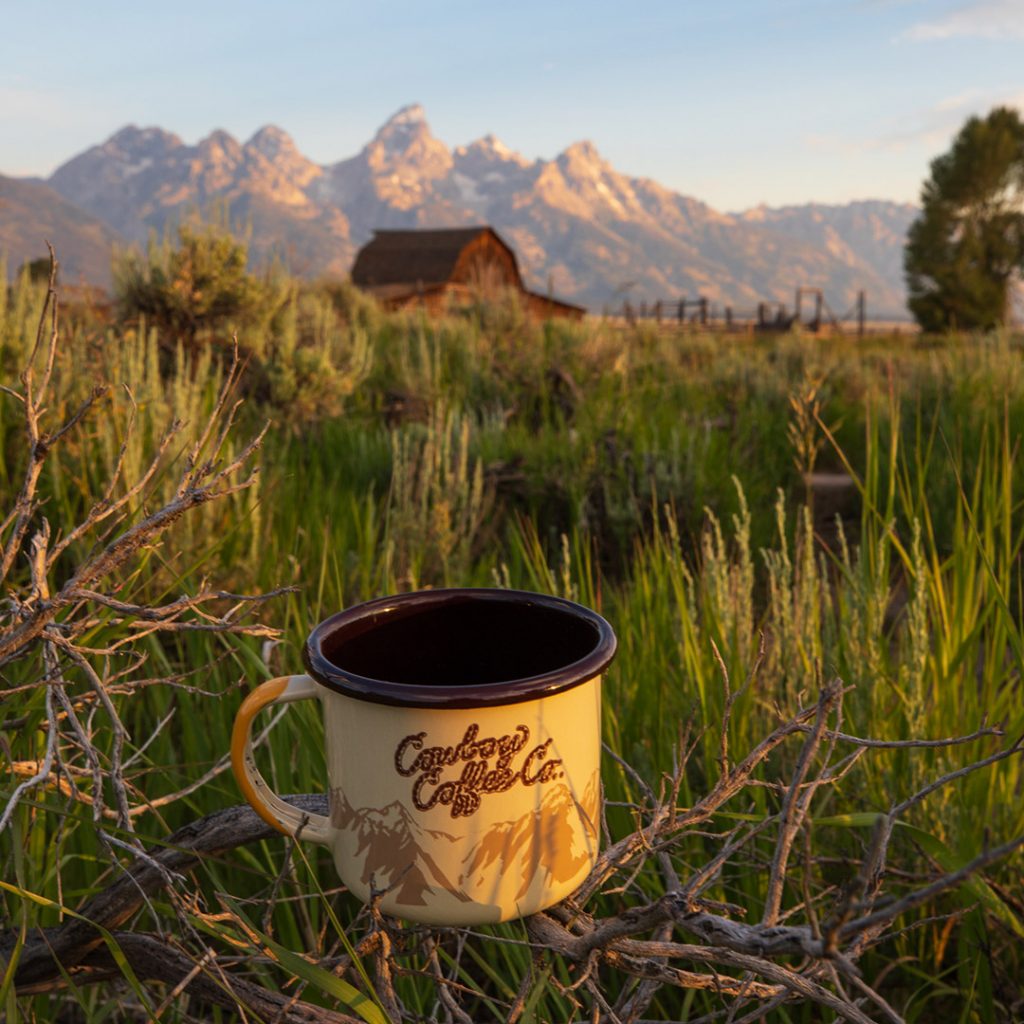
{"x":267,"y":804}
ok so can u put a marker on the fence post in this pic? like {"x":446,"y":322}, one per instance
{"x":703,"y":312}
{"x":861,"y":312}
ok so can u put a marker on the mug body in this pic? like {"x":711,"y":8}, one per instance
{"x":465,"y":816}
{"x":463,"y":735}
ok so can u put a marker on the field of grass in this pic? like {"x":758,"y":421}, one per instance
{"x":658,"y":477}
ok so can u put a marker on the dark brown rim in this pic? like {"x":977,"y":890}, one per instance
{"x":511,"y":691}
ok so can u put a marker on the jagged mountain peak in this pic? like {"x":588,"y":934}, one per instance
{"x":755,"y":213}
{"x":582,"y":154}
{"x":404,"y":154}
{"x":411,"y":113}
{"x":272,"y":157}
{"x":580,"y":179}
{"x":109,"y":180}
{"x":490,"y":148}
{"x":220,"y":140}
{"x":494,"y":144}
{"x":131,"y":144}
{"x":133,"y":135}
{"x":272,"y":142}
{"x":402,"y":127}
{"x":584,"y":169}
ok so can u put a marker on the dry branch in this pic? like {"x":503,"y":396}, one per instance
{"x":48,"y":611}
{"x":152,"y":959}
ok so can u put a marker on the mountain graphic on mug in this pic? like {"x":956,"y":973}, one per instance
{"x":393,"y":847}
{"x":552,"y":848}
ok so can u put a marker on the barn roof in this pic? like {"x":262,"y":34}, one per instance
{"x":422,"y":256}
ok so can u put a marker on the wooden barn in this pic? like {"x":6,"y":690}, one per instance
{"x":440,"y":267}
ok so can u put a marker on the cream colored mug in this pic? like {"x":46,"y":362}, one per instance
{"x":463,"y":737}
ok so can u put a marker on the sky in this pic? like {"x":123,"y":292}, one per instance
{"x":733,"y":102}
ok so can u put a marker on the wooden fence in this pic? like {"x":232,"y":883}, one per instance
{"x":810,"y":311}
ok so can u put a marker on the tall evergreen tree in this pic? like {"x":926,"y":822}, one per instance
{"x":967,"y":246}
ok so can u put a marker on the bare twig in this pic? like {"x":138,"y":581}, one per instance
{"x":794,"y":805}
{"x":151,"y":958}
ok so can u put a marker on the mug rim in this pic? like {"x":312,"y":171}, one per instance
{"x":508,"y":691}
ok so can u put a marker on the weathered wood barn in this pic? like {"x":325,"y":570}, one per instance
{"x":441,"y":267}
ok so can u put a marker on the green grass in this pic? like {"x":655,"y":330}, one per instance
{"x":655,"y":476}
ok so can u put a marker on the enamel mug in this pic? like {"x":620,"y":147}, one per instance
{"x":463,"y":741}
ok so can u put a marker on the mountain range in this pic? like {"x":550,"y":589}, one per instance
{"x":590,"y":233}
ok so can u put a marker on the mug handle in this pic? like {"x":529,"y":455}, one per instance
{"x":267,"y":804}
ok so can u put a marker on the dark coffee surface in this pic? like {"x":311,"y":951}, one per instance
{"x":464,"y":643}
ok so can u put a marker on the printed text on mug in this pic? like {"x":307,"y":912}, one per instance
{"x":486,"y":768}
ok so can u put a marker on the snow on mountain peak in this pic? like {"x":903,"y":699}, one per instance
{"x":496,"y":146}
{"x":487,"y":152}
{"x":404,"y":130}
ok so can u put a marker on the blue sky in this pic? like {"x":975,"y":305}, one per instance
{"x":734,"y":102}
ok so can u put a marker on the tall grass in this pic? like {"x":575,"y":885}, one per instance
{"x":657,"y":477}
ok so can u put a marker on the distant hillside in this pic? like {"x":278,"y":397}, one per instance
{"x":595,"y":234}
{"x":867,"y":232}
{"x":31,"y":213}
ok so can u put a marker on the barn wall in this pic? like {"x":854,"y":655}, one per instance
{"x":543,"y":308}
{"x":487,"y":265}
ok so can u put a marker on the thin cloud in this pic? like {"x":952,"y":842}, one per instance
{"x":930,"y":128}
{"x":987,"y":19}
{"x":934,"y":127}
{"x":959,"y":102}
